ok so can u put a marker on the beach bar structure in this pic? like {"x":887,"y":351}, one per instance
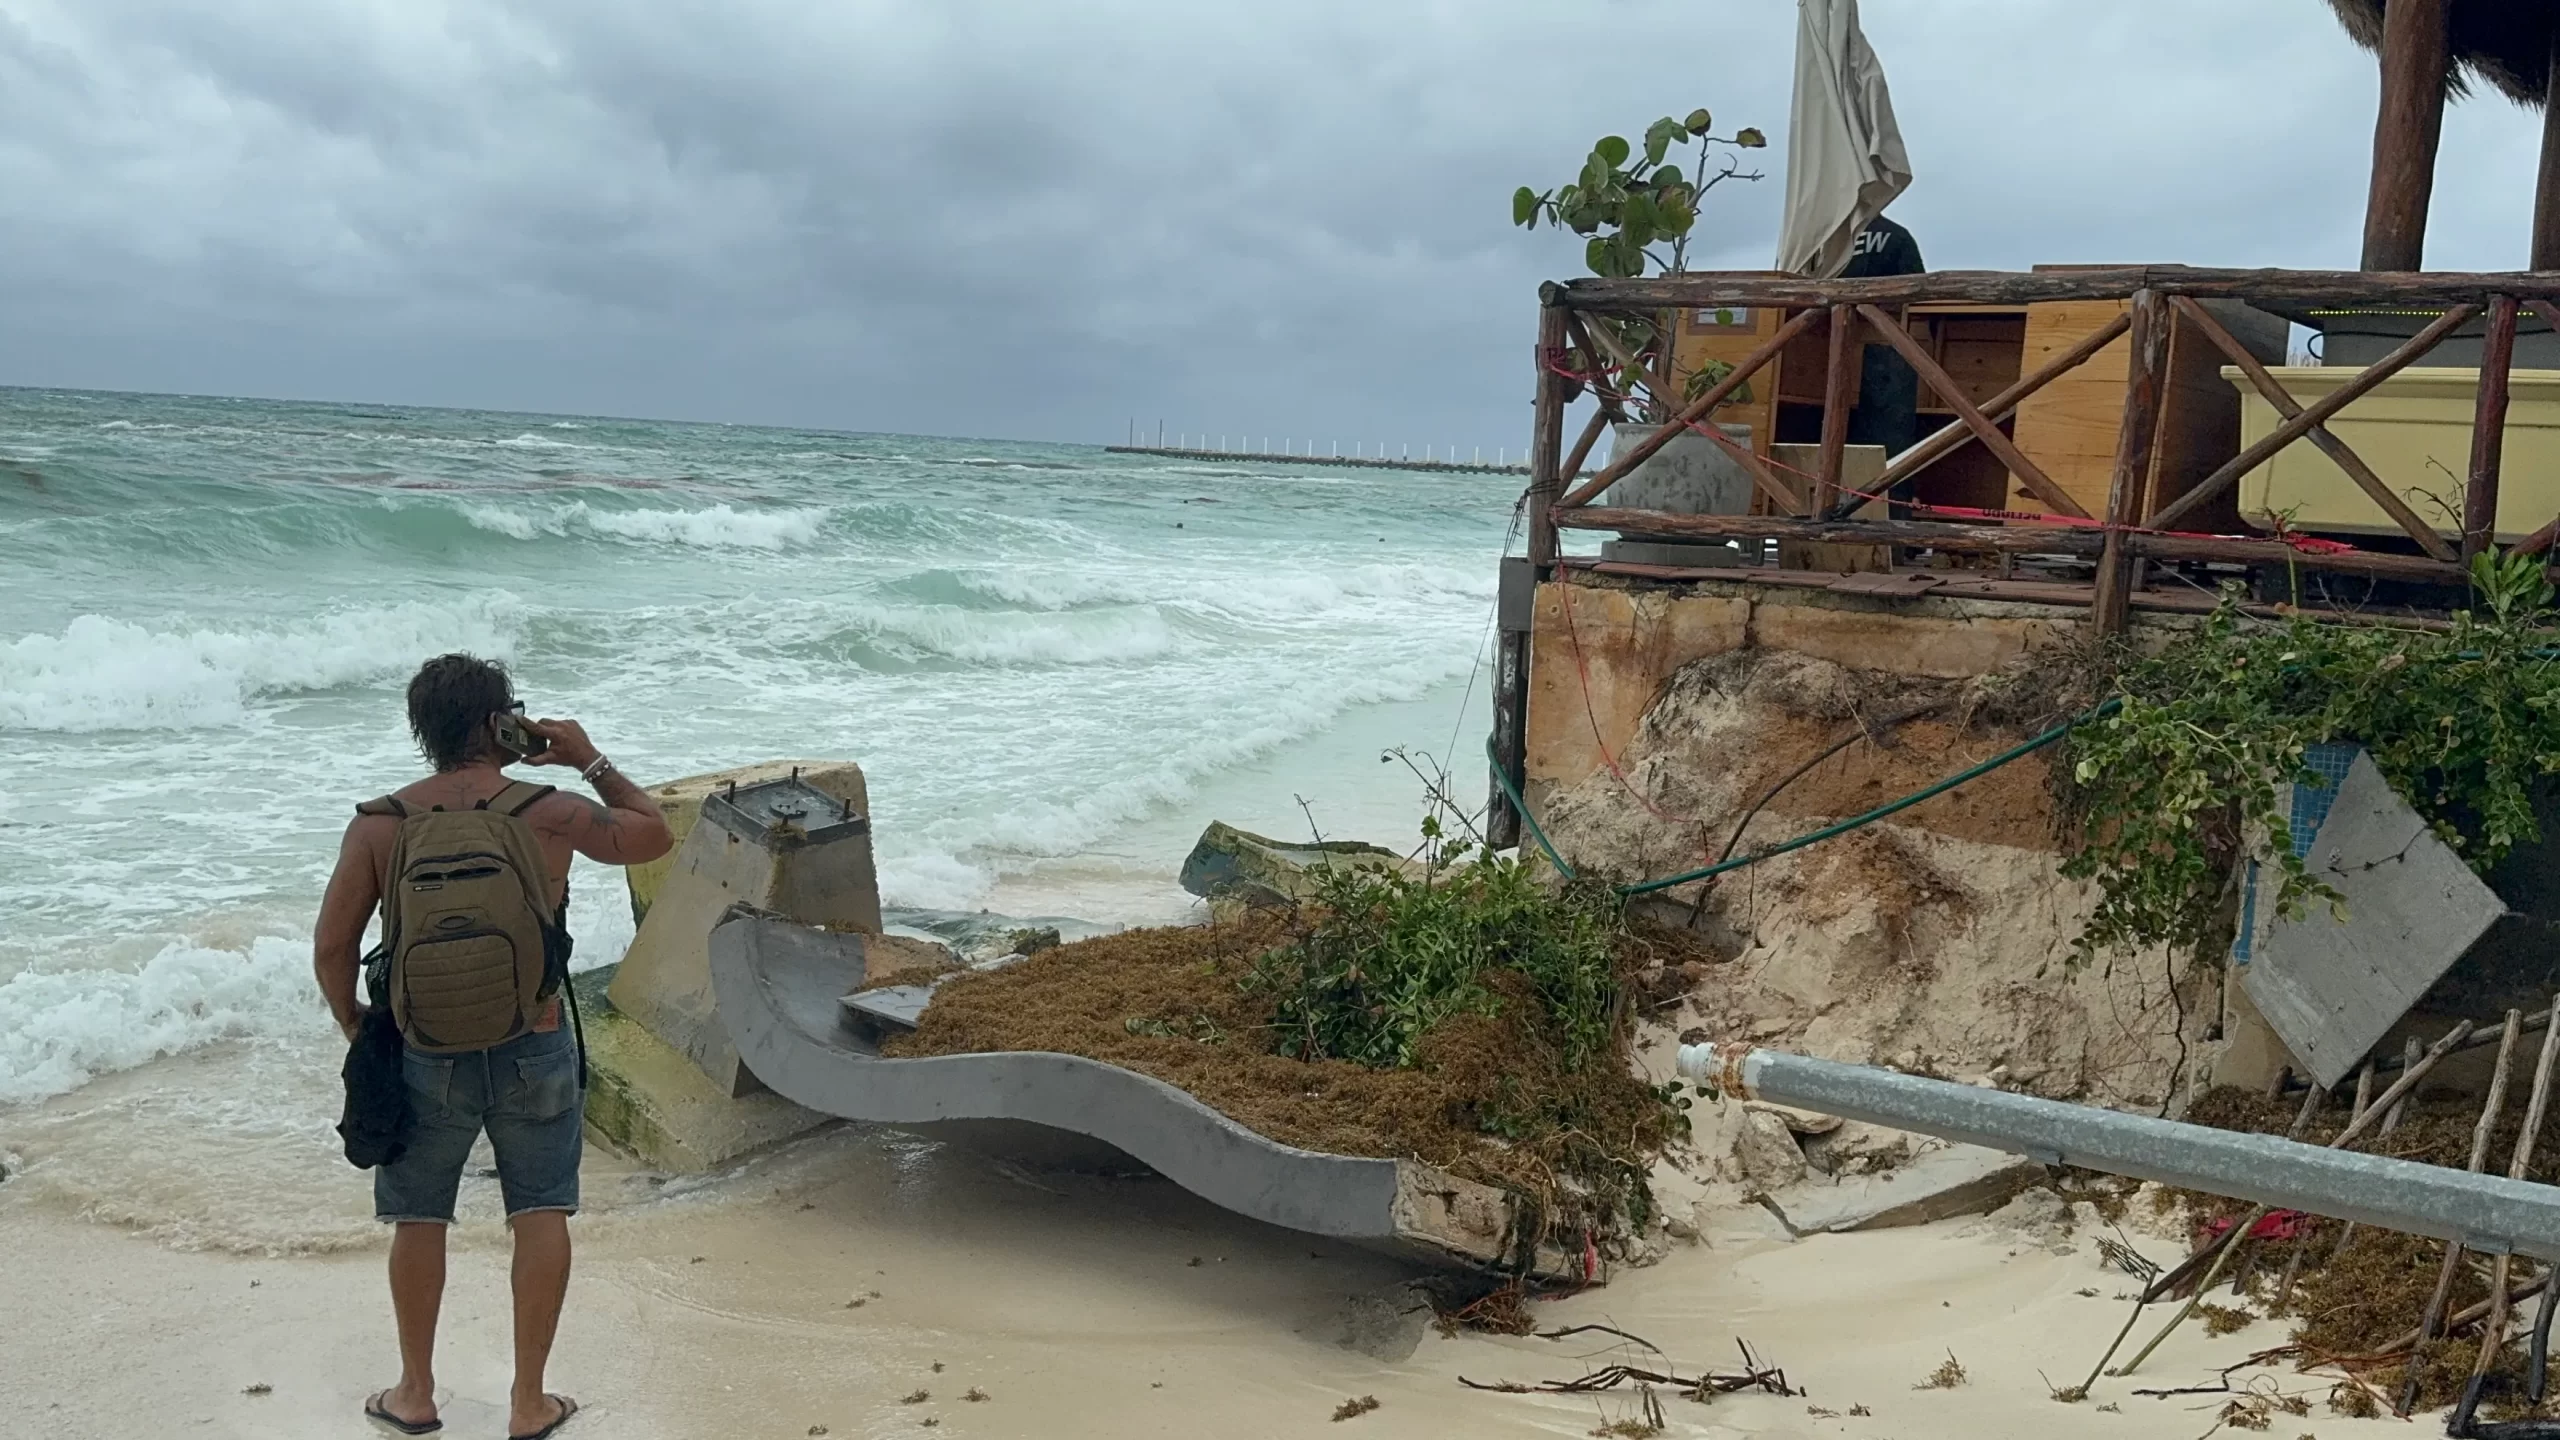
{"x":2110,"y":439}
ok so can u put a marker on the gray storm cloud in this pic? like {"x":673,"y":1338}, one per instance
{"x":1010,"y":218}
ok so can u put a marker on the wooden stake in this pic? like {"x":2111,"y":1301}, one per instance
{"x":2469,"y":1315}
{"x":2390,"y":1122}
{"x":1837,"y":376}
{"x":2407,"y":1082}
{"x":1582,"y":445}
{"x":2302,"y":1242}
{"x":2546,"y":195}
{"x":2489,"y":429}
{"x":2493,"y":1338}
{"x":1546,"y":438}
{"x":2453,"y":1249}
{"x":2132,"y":475}
{"x":2406,"y":129}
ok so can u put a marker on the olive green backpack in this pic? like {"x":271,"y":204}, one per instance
{"x":469,"y":958}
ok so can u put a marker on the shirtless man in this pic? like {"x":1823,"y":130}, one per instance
{"x":525,"y":1091}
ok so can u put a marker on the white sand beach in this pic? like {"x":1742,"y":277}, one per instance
{"x":1078,"y":1307}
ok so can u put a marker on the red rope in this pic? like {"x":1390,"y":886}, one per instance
{"x":1582,"y":673}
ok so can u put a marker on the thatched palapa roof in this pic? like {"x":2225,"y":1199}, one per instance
{"x":2504,"y":43}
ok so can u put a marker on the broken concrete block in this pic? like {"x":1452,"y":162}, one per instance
{"x":1802,"y":1122}
{"x":1857,"y":1148}
{"x":681,"y":802}
{"x":1936,"y":1184}
{"x":1236,"y":865}
{"x":1767,"y":1149}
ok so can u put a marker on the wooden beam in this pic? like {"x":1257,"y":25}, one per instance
{"x":1943,"y":442}
{"x":2489,"y":429}
{"x":1600,"y":339}
{"x":2032,"y":592}
{"x":2546,"y":195}
{"x":2081,"y":541}
{"x":2406,"y":129}
{"x":2134,"y":441}
{"x":2268,"y":288}
{"x":2373,"y":564}
{"x":1765,"y":479}
{"x":1837,"y":376}
{"x":1696,"y":410}
{"x":1781,"y":492}
{"x":1546,"y":437}
{"x":2316,"y":414}
{"x":1993,"y":439}
{"x":1582,"y":446}
{"x":2337,"y":450}
{"x":2539,"y":541}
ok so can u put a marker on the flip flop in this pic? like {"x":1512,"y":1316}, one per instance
{"x":373,"y":1411}
{"x":568,"y":1412}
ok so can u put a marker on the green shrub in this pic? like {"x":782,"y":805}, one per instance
{"x":2175,"y":785}
{"x":1391,"y":956}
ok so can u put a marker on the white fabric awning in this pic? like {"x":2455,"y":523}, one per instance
{"x":1845,"y":161}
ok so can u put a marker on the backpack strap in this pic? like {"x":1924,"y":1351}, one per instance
{"x":390,"y":805}
{"x":516,"y":799}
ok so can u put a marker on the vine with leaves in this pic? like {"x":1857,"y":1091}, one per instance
{"x":2189,"y":773}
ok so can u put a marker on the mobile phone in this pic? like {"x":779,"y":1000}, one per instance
{"x":518,"y":738}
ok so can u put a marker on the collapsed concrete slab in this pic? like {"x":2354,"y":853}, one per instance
{"x":645,"y":1099}
{"x":781,"y":845}
{"x":2333,"y":986}
{"x":782,"y":989}
{"x":1936,"y":1184}
{"x":681,"y":802}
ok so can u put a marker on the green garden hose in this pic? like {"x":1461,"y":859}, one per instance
{"x":2018,"y":752}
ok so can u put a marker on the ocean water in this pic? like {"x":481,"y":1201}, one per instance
{"x":1054,"y":664}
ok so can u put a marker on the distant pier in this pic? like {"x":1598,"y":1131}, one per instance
{"x":1353,"y":462}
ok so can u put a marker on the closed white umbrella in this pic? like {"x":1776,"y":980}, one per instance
{"x":1845,"y":161}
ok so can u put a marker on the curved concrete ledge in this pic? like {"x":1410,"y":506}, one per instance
{"x":780,"y":987}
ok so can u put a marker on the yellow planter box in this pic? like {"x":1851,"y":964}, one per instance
{"x":2415,"y":431}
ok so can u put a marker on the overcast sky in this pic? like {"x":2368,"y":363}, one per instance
{"x":1039,"y":218}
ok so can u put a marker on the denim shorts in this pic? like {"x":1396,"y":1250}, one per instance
{"x":525,"y":1093}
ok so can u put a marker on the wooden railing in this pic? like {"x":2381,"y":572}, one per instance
{"x":2132,"y":529}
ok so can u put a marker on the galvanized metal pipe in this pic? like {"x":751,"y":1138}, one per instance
{"x":2492,"y":1214}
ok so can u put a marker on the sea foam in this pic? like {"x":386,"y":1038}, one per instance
{"x":715,"y":527}
{"x":58,"y":1028}
{"x":104,"y":674}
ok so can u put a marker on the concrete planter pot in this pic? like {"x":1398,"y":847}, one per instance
{"x":1693,"y":475}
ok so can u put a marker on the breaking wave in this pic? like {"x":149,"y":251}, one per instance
{"x":104,"y":674}
{"x":60,"y":1028}
{"x":717,"y":527}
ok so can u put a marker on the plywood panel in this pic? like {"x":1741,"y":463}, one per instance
{"x":2071,"y":426}
{"x":1980,"y":352}
{"x":1704,"y":335}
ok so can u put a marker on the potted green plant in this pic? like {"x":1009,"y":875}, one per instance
{"x":1638,"y":209}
